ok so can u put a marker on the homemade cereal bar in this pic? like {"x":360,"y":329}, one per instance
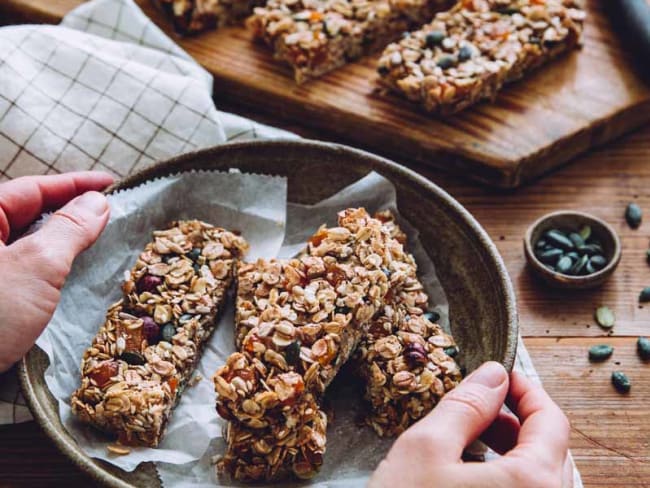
{"x":297,"y":323}
{"x":317,"y":36}
{"x":404,"y":358}
{"x":134,"y":372}
{"x":193,"y":16}
{"x":467,"y":53}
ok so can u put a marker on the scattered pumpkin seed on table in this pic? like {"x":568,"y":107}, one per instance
{"x":600,"y":352}
{"x":643,"y":347}
{"x":644,"y":296}
{"x":605,"y":317}
{"x":633,"y":215}
{"x":621,"y":382}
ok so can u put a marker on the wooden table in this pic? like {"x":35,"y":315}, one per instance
{"x":610,"y":432}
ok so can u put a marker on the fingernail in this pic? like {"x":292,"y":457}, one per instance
{"x":491,"y":374}
{"x":92,"y":201}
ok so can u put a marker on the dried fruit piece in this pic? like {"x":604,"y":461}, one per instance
{"x":103,"y":373}
{"x":149,"y":283}
{"x":150,"y":329}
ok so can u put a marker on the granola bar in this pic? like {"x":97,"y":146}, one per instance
{"x":194,"y":16}
{"x":298,"y":321}
{"x":134,"y":372}
{"x":317,"y":36}
{"x":405,"y":359}
{"x":467,"y":53}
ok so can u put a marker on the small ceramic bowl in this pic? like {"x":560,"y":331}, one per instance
{"x":568,"y":219}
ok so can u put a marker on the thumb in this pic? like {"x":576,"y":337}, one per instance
{"x":67,"y":233}
{"x":465,"y":412}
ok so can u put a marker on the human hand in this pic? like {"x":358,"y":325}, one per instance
{"x":35,"y":267}
{"x":534,"y":441}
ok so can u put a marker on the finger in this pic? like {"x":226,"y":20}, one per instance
{"x":22,"y":200}
{"x":69,"y":231}
{"x":544,"y":433}
{"x":502,"y":434}
{"x":463,"y":413}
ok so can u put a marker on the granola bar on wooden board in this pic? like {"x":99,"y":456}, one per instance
{"x":134,"y":372}
{"x":469,"y":52}
{"x":404,"y":358}
{"x":317,"y":36}
{"x":194,"y":16}
{"x":297,"y":323}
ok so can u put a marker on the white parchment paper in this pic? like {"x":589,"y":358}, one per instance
{"x":253,"y":204}
{"x":353,"y":451}
{"x":257,"y":206}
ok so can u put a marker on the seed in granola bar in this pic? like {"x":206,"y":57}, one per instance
{"x":446,"y":61}
{"x":464,"y":53}
{"x":186,"y":317}
{"x":292,"y":353}
{"x":383,"y":70}
{"x":196,"y":267}
{"x":167,"y":331}
{"x":343,"y":309}
{"x":194,"y":254}
{"x":434,"y":38}
{"x":415,"y":354}
{"x":451,"y":351}
{"x":387,"y":272}
{"x":150,"y":329}
{"x":432,"y":317}
{"x":133,"y":358}
{"x":149,"y":283}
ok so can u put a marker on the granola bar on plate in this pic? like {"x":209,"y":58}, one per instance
{"x":467,"y":53}
{"x":317,"y":36}
{"x":134,"y":372}
{"x":297,"y":322}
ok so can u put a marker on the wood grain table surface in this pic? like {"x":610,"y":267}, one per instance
{"x":610,"y":436}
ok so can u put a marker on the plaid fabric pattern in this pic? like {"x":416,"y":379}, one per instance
{"x":109,"y":90}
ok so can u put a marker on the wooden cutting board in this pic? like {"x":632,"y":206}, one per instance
{"x":579,"y":101}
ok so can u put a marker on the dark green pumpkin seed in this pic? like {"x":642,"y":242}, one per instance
{"x":564,"y":264}
{"x":647,"y":255}
{"x":292,"y":353}
{"x":343,"y":310}
{"x":167,"y":331}
{"x":133,"y":358}
{"x":194,"y":254}
{"x":644,"y":296}
{"x":591,"y":249}
{"x":550,"y":256}
{"x":576,"y":239}
{"x":432,"y":317}
{"x":186,"y":317}
{"x":434,"y":38}
{"x":383,"y":70}
{"x":598,"y":261}
{"x":573,"y":255}
{"x":605,"y":317}
{"x":621,"y":382}
{"x":643,"y":348}
{"x":589,"y":268}
{"x":585,"y":232}
{"x":196,"y":267}
{"x":464,"y":53}
{"x":451,"y":351}
{"x":633,"y":215}
{"x":579,"y":265}
{"x":558,"y":238}
{"x":540,"y":244}
{"x":600,"y":352}
{"x":446,"y":61}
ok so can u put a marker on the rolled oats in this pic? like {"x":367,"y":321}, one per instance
{"x":469,"y":52}
{"x":193,"y":16}
{"x":145,"y":352}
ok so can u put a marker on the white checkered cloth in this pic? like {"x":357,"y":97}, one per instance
{"x":107,"y":89}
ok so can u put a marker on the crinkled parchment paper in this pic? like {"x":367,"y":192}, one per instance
{"x":353,"y":451}
{"x":256,"y":206}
